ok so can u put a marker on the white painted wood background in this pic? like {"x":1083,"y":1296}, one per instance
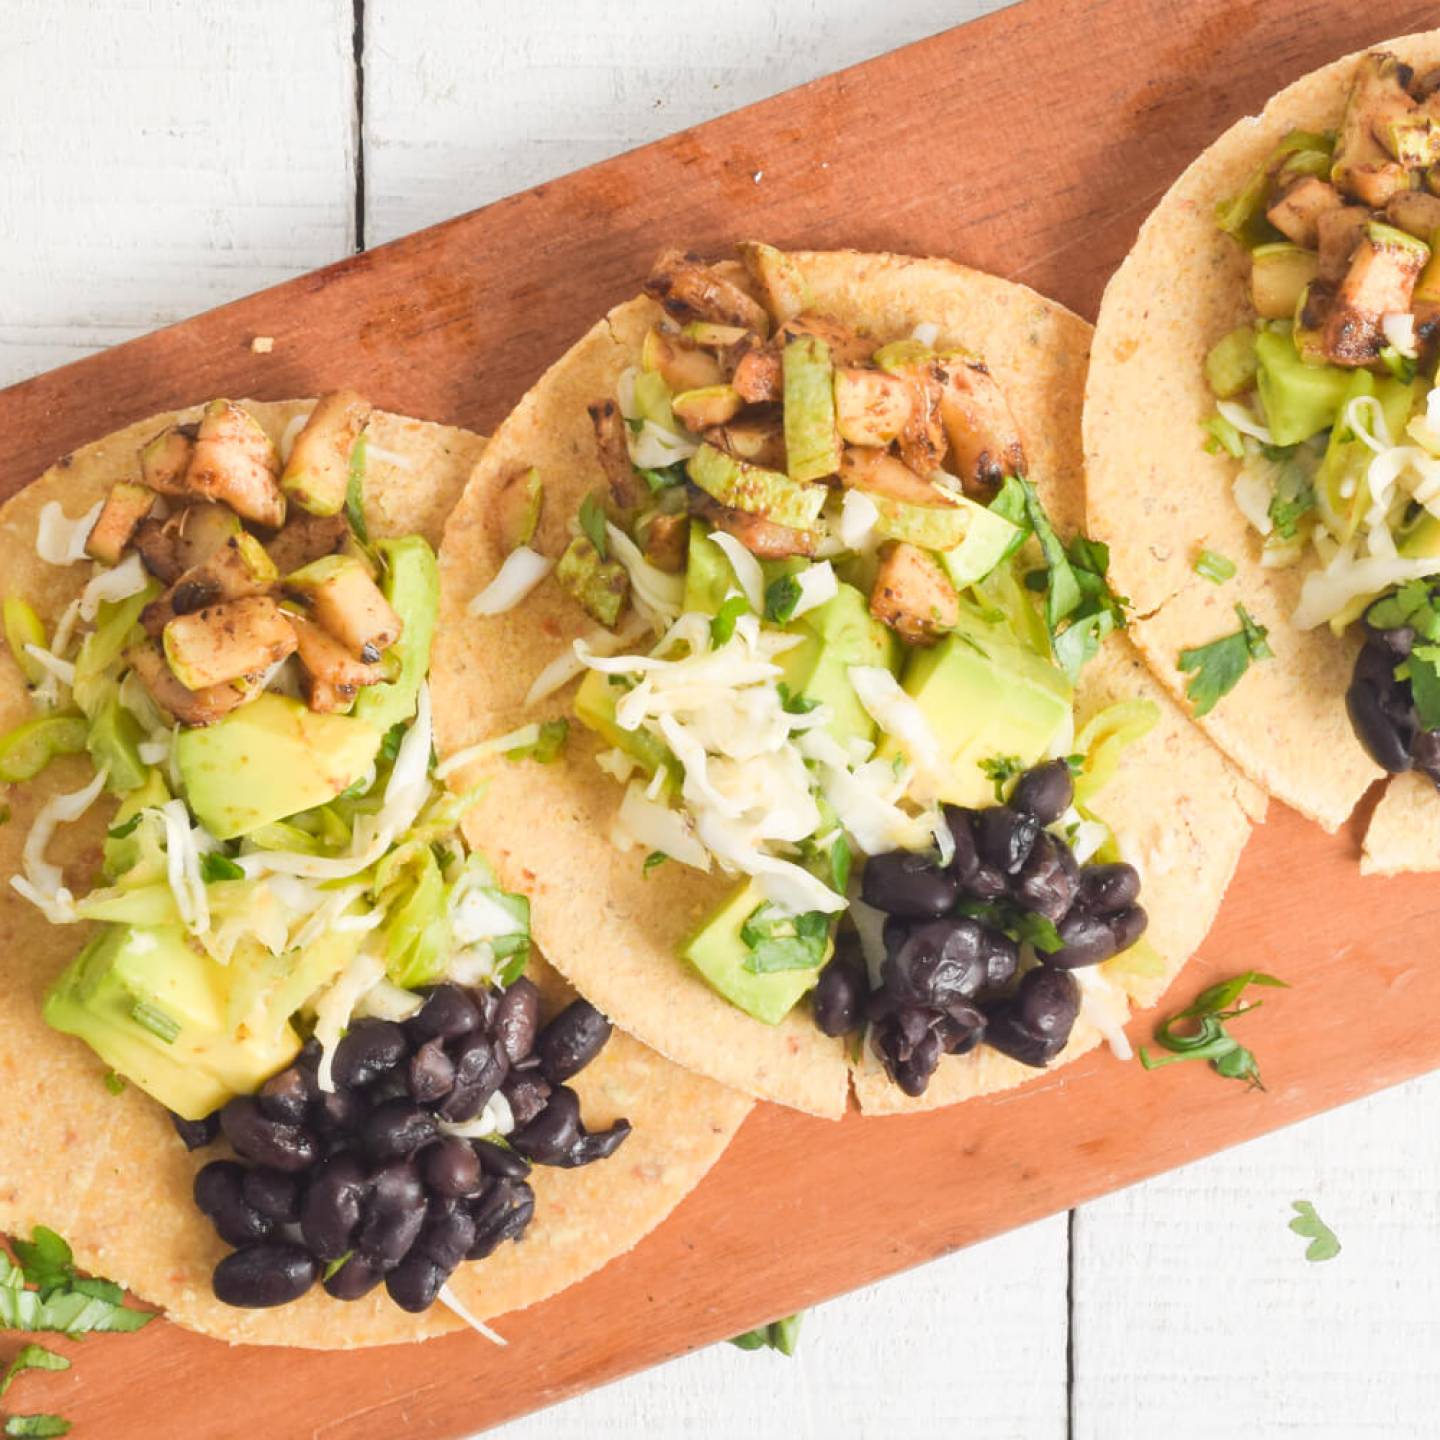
{"x":160,"y":156}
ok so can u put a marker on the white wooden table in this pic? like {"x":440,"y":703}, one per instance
{"x":160,"y":156}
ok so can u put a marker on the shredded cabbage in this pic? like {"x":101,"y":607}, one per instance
{"x":748,"y":573}
{"x":43,"y":882}
{"x":656,"y":593}
{"x":60,"y":540}
{"x":120,"y":582}
{"x":522,"y":571}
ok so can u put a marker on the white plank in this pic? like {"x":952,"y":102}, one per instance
{"x":158,"y":157}
{"x":972,"y":1345}
{"x":1196,"y":1313}
{"x":466,"y":102}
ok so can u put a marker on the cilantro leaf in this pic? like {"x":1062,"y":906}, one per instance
{"x":782,"y":595}
{"x":1009,"y":504}
{"x":722,"y":623}
{"x":1219,"y":665}
{"x":45,"y":1259}
{"x":1422,"y":669}
{"x":1022,"y":926}
{"x":36,"y":1427}
{"x":592,"y":523}
{"x":32,"y":1357}
{"x":781,"y":1336}
{"x":1323,"y":1243}
{"x":120,"y":832}
{"x":216,"y":866}
{"x":998,"y":769}
{"x":778,"y":941}
{"x":653,"y":861}
{"x":666,"y":479}
{"x":1062,"y":592}
{"x":79,"y":1307}
{"x":1220,"y":999}
{"x":355,"y":491}
{"x":336,"y":1265}
{"x":390,"y":745}
{"x":841,"y":859}
{"x":547,"y":746}
{"x":793,"y":704}
{"x":1214,"y":567}
{"x":1210,"y":1040}
{"x":1285,"y":512}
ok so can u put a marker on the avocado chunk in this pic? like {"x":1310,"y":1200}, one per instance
{"x":270,"y":759}
{"x":154,"y":1010}
{"x":709,"y":577}
{"x":411,"y":586}
{"x":990,"y":540}
{"x":984,"y":695}
{"x":812,"y":441}
{"x":838,"y":634}
{"x":1299,"y":400}
{"x":317,"y":475}
{"x":718,"y":951}
{"x":113,"y":743}
{"x":595,"y":702}
{"x":121,"y":853}
{"x":744,"y":486}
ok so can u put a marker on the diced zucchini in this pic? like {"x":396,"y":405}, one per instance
{"x":601,"y":587}
{"x":714,"y":337}
{"x":743,"y":486}
{"x":165,"y":459}
{"x":710,"y":405}
{"x":1380,"y":281}
{"x":327,"y":661}
{"x":317,"y":474}
{"x":1378,"y":99}
{"x":1296,"y":214}
{"x":871,"y":406}
{"x":812,"y":443}
{"x":913,"y":595}
{"x":682,"y":365}
{"x":521,"y":498}
{"x":237,"y":568}
{"x":345,"y":600}
{"x":125,"y":507}
{"x":189,"y":707}
{"x":985,"y":444}
{"x":691,"y":290}
{"x":910,"y":507}
{"x":782,"y":284}
{"x":1278,"y":275}
{"x":234,"y":640}
{"x":23,"y":626}
{"x":236,"y":462}
{"x":1230,"y":366}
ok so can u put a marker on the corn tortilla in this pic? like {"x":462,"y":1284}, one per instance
{"x":1158,"y":498}
{"x":108,"y":1172}
{"x":613,"y":931}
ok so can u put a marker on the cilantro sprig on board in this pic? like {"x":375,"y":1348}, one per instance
{"x":1209,"y":1040}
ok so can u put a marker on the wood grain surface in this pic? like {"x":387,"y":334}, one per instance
{"x":1030,"y":144}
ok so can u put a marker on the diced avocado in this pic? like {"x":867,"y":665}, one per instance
{"x":812,"y":443}
{"x":153,"y":1009}
{"x":235,"y":640}
{"x":990,"y":541}
{"x":838,"y":634}
{"x":601,"y":587}
{"x":1278,"y":274}
{"x":269,"y":759}
{"x":125,"y":507}
{"x":781,"y":282}
{"x":122,"y":853}
{"x":984,"y":695}
{"x":344,"y":598}
{"x":759,"y":491}
{"x":265,"y":990}
{"x":411,"y":586}
{"x":1299,"y":400}
{"x":317,"y":474}
{"x":709,"y":405}
{"x":709,"y":577}
{"x":718,"y":952}
{"x":113,"y":743}
{"x":1231,"y":364}
{"x":595,"y":709}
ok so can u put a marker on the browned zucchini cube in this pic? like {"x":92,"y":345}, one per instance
{"x":985,"y":443}
{"x":317,"y":473}
{"x":913,"y":595}
{"x":189,"y":707}
{"x":871,"y":407}
{"x":1380,"y":281}
{"x":236,"y":568}
{"x":165,"y":459}
{"x":237,"y":463}
{"x":125,"y":507}
{"x":689,"y":289}
{"x":234,"y":640}
{"x":340,"y":596}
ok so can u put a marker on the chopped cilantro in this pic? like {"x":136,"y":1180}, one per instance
{"x":1285,"y":512}
{"x":216,"y":866}
{"x":1219,"y":665}
{"x":35,"y":1427}
{"x":1323,"y":1243}
{"x":1422,"y":670}
{"x":355,"y":491}
{"x":841,"y":859}
{"x":653,"y":861}
{"x":592,"y":522}
{"x":390,"y":745}
{"x":45,"y":1259}
{"x":547,"y":745}
{"x":794,"y":704}
{"x":666,"y":479}
{"x":1210,"y":1040}
{"x":999,"y":769}
{"x":781,"y":1335}
{"x":722,"y":623}
{"x":31,"y":1357}
{"x":114,"y":1083}
{"x":1214,"y":567}
{"x":64,"y":1305}
{"x":119,"y":832}
{"x":782,"y":595}
{"x":778,"y":941}
{"x":1022,"y":926}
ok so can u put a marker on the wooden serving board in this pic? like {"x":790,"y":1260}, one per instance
{"x":1031,"y":144}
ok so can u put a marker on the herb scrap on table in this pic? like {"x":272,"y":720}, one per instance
{"x":1323,"y":1243}
{"x":780,"y":1335}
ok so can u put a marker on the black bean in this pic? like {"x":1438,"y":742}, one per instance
{"x":369,"y":1049}
{"x":526,"y":1092}
{"x":264,"y":1141}
{"x":273,"y":1193}
{"x":1088,"y":939}
{"x":501,"y":1161}
{"x":355,"y":1279}
{"x":548,"y":1137}
{"x":596,"y":1145}
{"x":448,"y":1234}
{"x":1005,"y":1033}
{"x":287,"y":1096}
{"x":1046,"y":791}
{"x":908,"y":882}
{"x":452,"y":1168}
{"x":1047,"y":1002}
{"x":571,"y":1041}
{"x":1104,"y":889}
{"x":1002,"y":958}
{"x":913,"y":1074}
{"x":1425,"y":753}
{"x":894,"y":933}
{"x":988,"y":882}
{"x":837,"y":1002}
{"x":1127,"y":926}
{"x":430,"y":1075}
{"x":909,"y":1048}
{"x":396,"y":1129}
{"x":501,"y":1214}
{"x":943,"y":960}
{"x":332,"y":1207}
{"x":1386,"y":737}
{"x":1050,"y":879}
{"x":960,"y":1027}
{"x":517,"y":1019}
{"x":259,"y":1276}
{"x":219,"y":1194}
{"x":448,"y":1011}
{"x":196,"y":1134}
{"x":966,"y":859}
{"x":480,"y":1067}
{"x":393,"y":1216}
{"x":415,"y":1283}
{"x":338,"y":1114}
{"x":1005,"y":838}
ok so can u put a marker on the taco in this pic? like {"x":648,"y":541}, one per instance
{"x":234,"y":886}
{"x":1262,"y":435}
{"x":776,"y":515}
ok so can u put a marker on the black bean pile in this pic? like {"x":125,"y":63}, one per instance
{"x":365,"y":1170}
{"x":1382,"y":708}
{"x":949,"y":979}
